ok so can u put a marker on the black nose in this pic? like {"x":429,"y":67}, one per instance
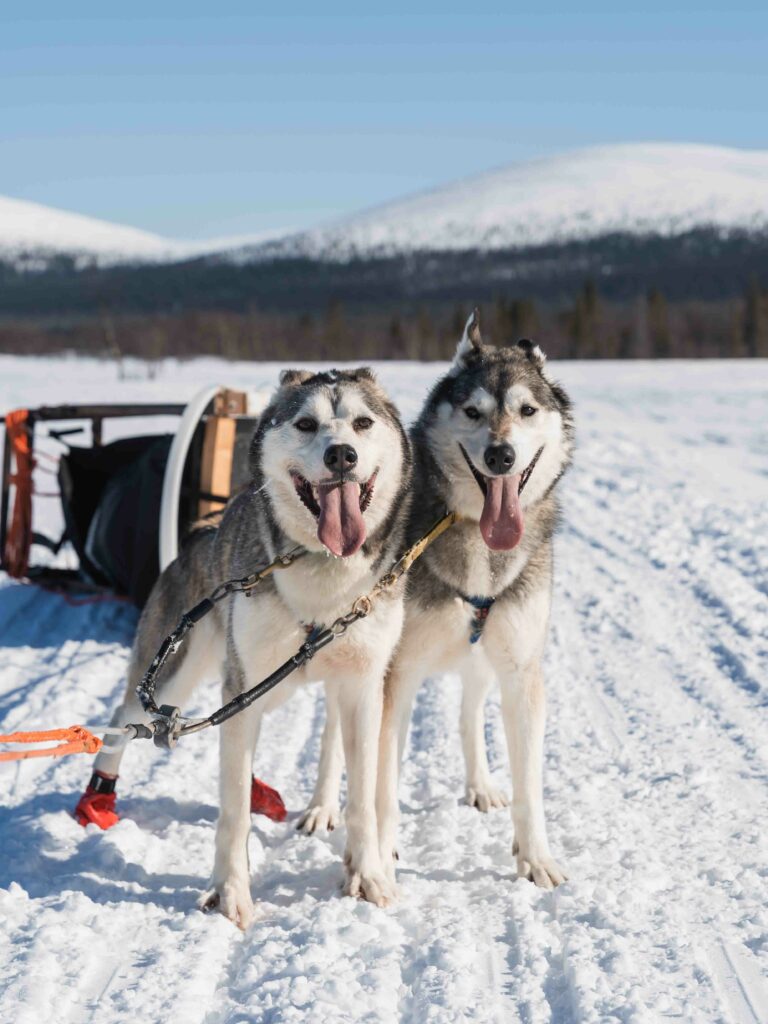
{"x":340,"y":457}
{"x":499,"y":458}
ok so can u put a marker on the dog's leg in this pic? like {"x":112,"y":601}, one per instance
{"x":476,"y":675}
{"x":230,"y":890}
{"x":323,"y":811}
{"x":201,"y":658}
{"x":360,"y":711}
{"x":175,"y":688}
{"x":432,"y":640}
{"x":523,"y":708}
{"x":514,"y":642}
{"x":399,"y":691}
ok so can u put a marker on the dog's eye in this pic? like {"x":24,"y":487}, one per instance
{"x":472,"y":412}
{"x":363,"y":423}
{"x":528,"y":410}
{"x":306,"y":425}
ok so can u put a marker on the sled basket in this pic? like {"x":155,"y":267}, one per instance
{"x":126,"y":505}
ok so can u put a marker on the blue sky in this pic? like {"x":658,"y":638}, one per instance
{"x":197,"y":121}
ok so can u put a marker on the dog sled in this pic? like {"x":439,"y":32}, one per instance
{"x":125,"y":494}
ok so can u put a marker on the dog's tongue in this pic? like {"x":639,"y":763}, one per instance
{"x":341,"y":527}
{"x":501,"y":523}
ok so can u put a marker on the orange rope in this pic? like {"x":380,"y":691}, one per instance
{"x":19,"y":538}
{"x":77,"y":740}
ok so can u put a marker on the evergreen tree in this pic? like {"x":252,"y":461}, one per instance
{"x":755,"y":320}
{"x":426,"y":337}
{"x":397,"y":341}
{"x":584,"y":323}
{"x":658,"y":325}
{"x":523,"y":319}
{"x":335,"y":335}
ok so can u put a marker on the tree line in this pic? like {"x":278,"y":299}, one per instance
{"x":590,"y":326}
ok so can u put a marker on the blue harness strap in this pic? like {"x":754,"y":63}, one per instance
{"x":482,"y":606}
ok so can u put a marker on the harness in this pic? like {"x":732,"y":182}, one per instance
{"x":168,"y":724}
{"x":482,"y":607}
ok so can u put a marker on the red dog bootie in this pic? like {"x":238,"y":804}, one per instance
{"x":97,"y":804}
{"x":265,"y":800}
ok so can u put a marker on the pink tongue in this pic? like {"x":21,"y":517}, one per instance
{"x":501,"y":523}
{"x":341,"y":527}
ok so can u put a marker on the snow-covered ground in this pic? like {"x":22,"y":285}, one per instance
{"x":656,"y":768}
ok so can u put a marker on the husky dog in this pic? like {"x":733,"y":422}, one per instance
{"x":331,"y":471}
{"x":491,"y":443}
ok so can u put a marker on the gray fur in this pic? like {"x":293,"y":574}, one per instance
{"x":442,"y":573}
{"x":250,"y":535}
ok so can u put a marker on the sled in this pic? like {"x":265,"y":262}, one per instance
{"x":126,"y":504}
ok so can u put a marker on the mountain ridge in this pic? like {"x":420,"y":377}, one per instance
{"x":628,"y":188}
{"x":634,"y":188}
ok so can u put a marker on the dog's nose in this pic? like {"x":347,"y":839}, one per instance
{"x":499,"y":458}
{"x":340,"y":457}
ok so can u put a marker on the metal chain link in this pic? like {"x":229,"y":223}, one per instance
{"x":168,"y":724}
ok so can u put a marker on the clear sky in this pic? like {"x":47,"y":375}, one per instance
{"x":206,"y":120}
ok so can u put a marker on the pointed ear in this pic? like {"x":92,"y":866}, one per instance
{"x":470,"y":344}
{"x":532,"y":352}
{"x":365,"y":373}
{"x":292,"y":378}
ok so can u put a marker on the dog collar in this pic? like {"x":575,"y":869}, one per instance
{"x":482,"y":607}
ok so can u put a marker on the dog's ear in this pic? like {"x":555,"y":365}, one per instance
{"x":365,"y":373}
{"x":470,"y":344}
{"x":532,"y":351}
{"x":292,"y":378}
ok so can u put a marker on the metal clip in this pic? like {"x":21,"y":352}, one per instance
{"x":166,"y":726}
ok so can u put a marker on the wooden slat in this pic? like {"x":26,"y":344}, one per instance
{"x":219,"y":448}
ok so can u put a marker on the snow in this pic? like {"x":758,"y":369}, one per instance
{"x":656,"y":767}
{"x":31,"y":229}
{"x":635,"y":187}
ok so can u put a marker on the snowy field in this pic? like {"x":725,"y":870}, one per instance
{"x":656,"y":768}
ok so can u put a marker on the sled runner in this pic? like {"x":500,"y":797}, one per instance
{"x":127,"y":504}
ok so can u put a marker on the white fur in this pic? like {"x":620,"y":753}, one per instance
{"x":511,"y":647}
{"x":353,"y":668}
{"x":266,"y":628}
{"x":287,"y":450}
{"x":266,"y":631}
{"x":470,"y":340}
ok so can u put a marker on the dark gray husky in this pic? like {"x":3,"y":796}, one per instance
{"x":491,"y":443}
{"x":331,"y":471}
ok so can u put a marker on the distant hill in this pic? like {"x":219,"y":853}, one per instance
{"x":636,"y":189}
{"x":33,"y":235}
{"x":631,"y":249}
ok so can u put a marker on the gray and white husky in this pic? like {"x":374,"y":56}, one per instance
{"x":491,"y":443}
{"x":331,"y":469}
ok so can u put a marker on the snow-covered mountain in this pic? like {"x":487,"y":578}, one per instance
{"x":636,"y":188}
{"x":33,"y":229}
{"x":30,"y":231}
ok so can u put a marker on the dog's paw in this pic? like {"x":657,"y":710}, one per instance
{"x":486,"y":797}
{"x":389,"y":861}
{"x":320,"y":818}
{"x":232,"y":898}
{"x":541,"y":869}
{"x":371,"y":886}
